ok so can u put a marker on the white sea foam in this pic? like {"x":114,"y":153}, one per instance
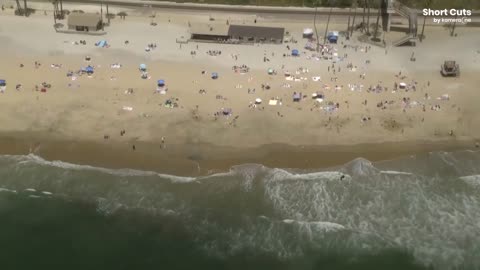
{"x":30,"y":190}
{"x":323,"y":225}
{"x":395,"y":173}
{"x":31,"y":158}
{"x":47,"y":193}
{"x":280,"y":175}
{"x":7,"y":190}
{"x":473,"y":180}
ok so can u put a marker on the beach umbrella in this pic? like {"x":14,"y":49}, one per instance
{"x":295,"y":52}
{"x":143,"y":67}
{"x":161,"y":82}
{"x":308,"y":31}
{"x":270,"y":71}
{"x":89,"y":69}
{"x":214,"y":75}
{"x":3,"y":82}
{"x":402,"y":85}
{"x":258,"y":101}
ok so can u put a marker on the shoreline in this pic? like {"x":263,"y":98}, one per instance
{"x":204,"y":159}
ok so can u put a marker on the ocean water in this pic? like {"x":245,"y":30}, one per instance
{"x":417,"y":212}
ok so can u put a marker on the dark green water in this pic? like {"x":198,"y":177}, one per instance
{"x":57,"y":234}
{"x":414,"y":213}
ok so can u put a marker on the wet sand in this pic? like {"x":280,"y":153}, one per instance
{"x":204,"y":159}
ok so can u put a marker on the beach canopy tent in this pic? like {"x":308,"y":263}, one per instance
{"x":307,"y":32}
{"x":3,"y":82}
{"x":332,"y":36}
{"x":214,"y":75}
{"x":101,"y":44}
{"x":161,"y":83}
{"x":296,"y":97}
{"x":143,"y":67}
{"x":295,"y":52}
{"x":89,"y":69}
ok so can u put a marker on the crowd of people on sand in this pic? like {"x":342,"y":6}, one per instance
{"x":241,"y":69}
{"x":334,"y":62}
{"x":214,"y":52}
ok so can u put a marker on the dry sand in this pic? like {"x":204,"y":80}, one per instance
{"x":87,"y":109}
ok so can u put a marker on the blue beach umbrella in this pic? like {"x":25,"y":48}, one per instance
{"x":143,"y":66}
{"x":161,"y":82}
{"x":295,"y":52}
{"x":3,"y":82}
{"x":89,"y":69}
{"x":214,"y":75}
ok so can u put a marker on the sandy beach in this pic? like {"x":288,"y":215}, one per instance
{"x":116,"y":109}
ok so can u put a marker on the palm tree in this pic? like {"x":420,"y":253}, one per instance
{"x":19,"y":8}
{"x":328,"y":22}
{"x":363,"y":15}
{"x":368,"y":16}
{"x":348,"y":23}
{"x":376,"y":25}
{"x":427,"y":3}
{"x":354,"y":15}
{"x":25,"y":9}
{"x":315,"y":23}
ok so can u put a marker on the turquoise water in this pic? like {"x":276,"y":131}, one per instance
{"x":419,"y":212}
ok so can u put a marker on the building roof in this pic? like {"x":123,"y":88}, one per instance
{"x":256,"y":31}
{"x":209,"y":29}
{"x":84,"y":19}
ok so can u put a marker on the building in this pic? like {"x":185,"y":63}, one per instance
{"x":236,"y":33}
{"x":209,"y":32}
{"x":256,"y":34}
{"x":84,"y":22}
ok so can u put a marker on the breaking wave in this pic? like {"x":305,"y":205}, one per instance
{"x":427,"y":206}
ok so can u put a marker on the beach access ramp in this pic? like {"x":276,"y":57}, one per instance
{"x":411,"y":16}
{"x":405,"y":40}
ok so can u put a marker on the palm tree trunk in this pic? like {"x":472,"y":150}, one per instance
{"x":376,"y":25}
{"x":315,"y":25}
{"x":25,"y":8}
{"x":368,"y":16}
{"x":453,"y":28}
{"x":108,"y":15}
{"x":353,"y":22}
{"x":19,"y":8}
{"x":423,"y":28}
{"x":348,"y":24}
{"x":54,"y":13}
{"x":363,"y":16}
{"x":326,"y":28}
